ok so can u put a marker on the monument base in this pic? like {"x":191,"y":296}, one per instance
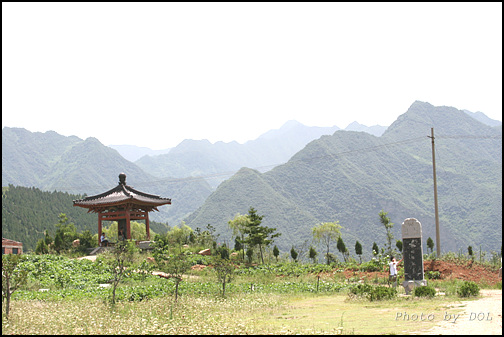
{"x":409,"y":285}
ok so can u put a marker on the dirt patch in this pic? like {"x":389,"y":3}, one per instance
{"x":447,"y":270}
{"x":466,"y":272}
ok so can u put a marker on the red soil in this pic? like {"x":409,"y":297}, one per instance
{"x":448,"y":270}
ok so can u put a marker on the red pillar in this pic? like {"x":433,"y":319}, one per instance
{"x":99,"y":228}
{"x":128,"y":227}
{"x":147,"y":225}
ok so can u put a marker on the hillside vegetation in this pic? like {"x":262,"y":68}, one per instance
{"x":52,"y":162}
{"x":344,"y":176}
{"x":28,"y":212}
{"x":350,"y":176}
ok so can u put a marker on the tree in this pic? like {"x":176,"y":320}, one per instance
{"x":41,"y":247}
{"x":341,"y":247}
{"x":276,"y":252}
{"x":207,"y":237}
{"x":174,"y":266}
{"x":257,"y":235}
{"x":385,"y":221}
{"x":238,"y":245}
{"x":358,"y":250}
{"x":86,"y":240}
{"x":120,"y":261}
{"x":47,"y":238}
{"x":13,"y":277}
{"x":58,"y":242}
{"x":312,"y":254}
{"x":430,"y":244}
{"x":325,"y":233}
{"x":65,"y":233}
{"x":224,"y":270}
{"x":293,"y":254}
{"x":223,"y":251}
{"x":399,"y":245}
{"x":238,"y":226}
{"x":179,"y":235}
{"x":249,"y":253}
{"x":375,"y":249}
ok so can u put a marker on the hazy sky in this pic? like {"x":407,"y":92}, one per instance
{"x":153,"y":74}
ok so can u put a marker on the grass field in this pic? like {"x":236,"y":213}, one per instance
{"x":249,"y":313}
{"x":260,"y":301}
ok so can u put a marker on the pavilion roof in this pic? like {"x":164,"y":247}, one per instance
{"x":122,"y":194}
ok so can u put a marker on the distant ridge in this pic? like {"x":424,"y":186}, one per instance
{"x":375,"y":130}
{"x":133,"y":153}
{"x":282,"y":161}
{"x":351,"y":176}
{"x":202,"y":158}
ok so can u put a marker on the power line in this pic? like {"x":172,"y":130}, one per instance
{"x":470,"y":137}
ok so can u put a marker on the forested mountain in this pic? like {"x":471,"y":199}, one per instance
{"x":217,"y":162}
{"x":27,"y":157}
{"x":345,"y":176}
{"x":53,"y":162}
{"x":351,"y":176}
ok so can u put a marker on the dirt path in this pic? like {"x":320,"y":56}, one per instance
{"x":479,"y":317}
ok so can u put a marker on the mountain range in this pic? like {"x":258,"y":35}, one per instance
{"x":53,"y":162}
{"x":291,"y":130}
{"x":297,"y":176}
{"x":351,"y":176}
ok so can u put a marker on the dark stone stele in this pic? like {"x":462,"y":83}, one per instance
{"x":413,"y":259}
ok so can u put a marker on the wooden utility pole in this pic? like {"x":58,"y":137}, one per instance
{"x":438,"y":240}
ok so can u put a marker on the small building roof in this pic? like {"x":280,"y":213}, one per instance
{"x":122,"y":194}
{"x":6,"y":242}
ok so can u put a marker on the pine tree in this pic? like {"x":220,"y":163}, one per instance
{"x":294,"y":254}
{"x":276,"y":252}
{"x":358,"y":250}
{"x":312,"y":254}
{"x":341,"y":247}
{"x":375,"y":249}
{"x":257,"y":235}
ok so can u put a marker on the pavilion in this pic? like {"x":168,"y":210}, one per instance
{"x":122,"y":204}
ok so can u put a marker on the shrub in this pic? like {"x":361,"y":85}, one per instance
{"x":376,"y":293}
{"x":433,"y":275}
{"x":468,"y":288}
{"x":373,"y":265}
{"x":424,"y":291}
{"x":361,"y":289}
{"x":379,"y":293}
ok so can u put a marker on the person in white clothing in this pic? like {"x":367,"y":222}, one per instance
{"x":393,"y":270}
{"x":103,"y":240}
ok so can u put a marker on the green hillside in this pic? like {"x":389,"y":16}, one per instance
{"x":53,"y":162}
{"x":351,"y":176}
{"x":348,"y":176}
{"x":32,"y":155}
{"x":219,"y":161}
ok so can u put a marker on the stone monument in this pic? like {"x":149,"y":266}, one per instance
{"x":413,"y":254}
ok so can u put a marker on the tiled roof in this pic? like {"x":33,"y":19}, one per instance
{"x":121,"y":194}
{"x":10,"y":242}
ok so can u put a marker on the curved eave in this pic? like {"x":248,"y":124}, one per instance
{"x":130,"y":201}
{"x":120,"y":195}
